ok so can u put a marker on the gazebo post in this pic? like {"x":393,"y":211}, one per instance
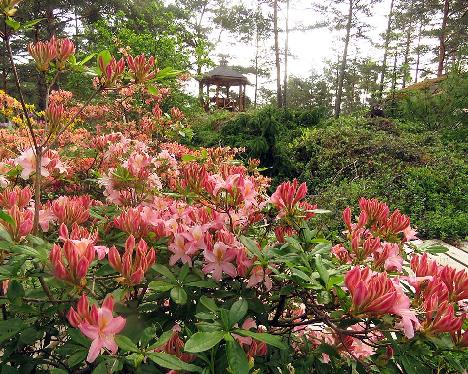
{"x":239,"y":100}
{"x":243,"y":98}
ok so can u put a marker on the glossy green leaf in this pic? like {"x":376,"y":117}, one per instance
{"x":251,"y":246}
{"x":324,"y":276}
{"x":209,"y":304}
{"x":179,"y":295}
{"x":202,"y":341}
{"x":237,"y":358}
{"x":126,"y":344}
{"x":161,"y":286}
{"x":163,"y":270}
{"x":272,"y":340}
{"x":15,"y":25}
{"x":172,"y":362}
{"x":77,"y":357}
{"x":15,"y":290}
{"x":7,"y":218}
{"x":238,"y":311}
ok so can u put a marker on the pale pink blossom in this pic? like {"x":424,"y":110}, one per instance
{"x":27,"y":161}
{"x":97,"y":324}
{"x":220,"y":260}
{"x":179,"y":247}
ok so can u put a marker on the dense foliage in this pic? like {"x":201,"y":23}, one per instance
{"x":122,"y":250}
{"x":409,"y":165}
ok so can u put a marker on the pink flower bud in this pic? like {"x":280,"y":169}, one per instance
{"x":137,"y":276}
{"x":347,"y":217}
{"x":115,"y":259}
{"x":83,"y":306}
{"x":82,"y":268}
{"x":73,"y":317}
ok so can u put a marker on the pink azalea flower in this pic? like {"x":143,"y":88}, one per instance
{"x":97,"y":324}
{"x":259,"y":275}
{"x":409,"y":234}
{"x":196,"y":239}
{"x":27,"y":161}
{"x":220,"y":260}
{"x":179,"y":247}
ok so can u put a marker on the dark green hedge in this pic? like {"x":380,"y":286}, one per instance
{"x":420,"y":171}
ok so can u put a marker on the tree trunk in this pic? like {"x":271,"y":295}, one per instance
{"x":407,"y":49}
{"x":200,"y":86}
{"x":257,"y":43}
{"x":279,"y":98}
{"x":339,"y":93}
{"x":394,"y":74}
{"x":4,"y":61}
{"x":286,"y":51}
{"x":418,"y":53}
{"x":387,"y":42}
{"x":443,"y":28}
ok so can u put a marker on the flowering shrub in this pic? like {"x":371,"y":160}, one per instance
{"x":124,"y":253}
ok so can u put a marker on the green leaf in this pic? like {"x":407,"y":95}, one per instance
{"x":77,"y":357}
{"x":10,"y":328}
{"x":78,"y":338}
{"x":209,"y":304}
{"x":15,"y":25}
{"x":434,"y":249}
{"x":161,"y":269}
{"x":7,"y":218}
{"x":202,"y":341}
{"x":126,"y":344}
{"x":172,"y":362}
{"x":251,"y":246}
{"x":183,"y":272}
{"x":165,"y":336}
{"x":300,"y":274}
{"x":202,"y":284}
{"x":238,"y":311}
{"x":319,"y":211}
{"x":179,"y":295}
{"x":86,"y":59}
{"x":237,"y":358}
{"x":5,"y":235}
{"x":161,"y":286}
{"x":29,"y":335}
{"x":15,"y":290}
{"x":321,"y":269}
{"x":28,"y":25}
{"x":106,"y":58}
{"x":187,"y":158}
{"x":272,"y":340}
{"x":167,"y":72}
{"x":57,"y":371}
{"x":152,"y":90}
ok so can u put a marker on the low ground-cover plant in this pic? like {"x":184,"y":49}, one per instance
{"x":124,"y":251}
{"x":419,"y":170}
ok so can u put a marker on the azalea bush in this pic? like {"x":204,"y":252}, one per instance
{"x":124,"y":251}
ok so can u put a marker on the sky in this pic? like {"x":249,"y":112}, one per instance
{"x":309,"y":49}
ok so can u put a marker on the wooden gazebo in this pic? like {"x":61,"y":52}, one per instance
{"x":223,"y":78}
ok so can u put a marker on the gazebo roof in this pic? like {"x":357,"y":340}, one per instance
{"x":224,"y":76}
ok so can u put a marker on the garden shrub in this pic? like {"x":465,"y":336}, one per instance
{"x":123,"y":251}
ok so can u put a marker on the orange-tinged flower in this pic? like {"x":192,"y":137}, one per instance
{"x":43,"y":54}
{"x":132,"y":268}
{"x":141,"y":69}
